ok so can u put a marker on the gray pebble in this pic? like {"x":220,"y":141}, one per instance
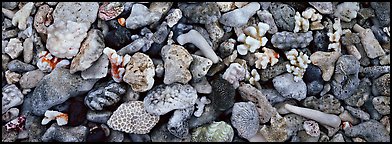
{"x":358,"y":113}
{"x":9,"y":5}
{"x":30,"y":79}
{"x":19,"y":66}
{"x":381,"y":85}
{"x":239,"y":17}
{"x":272,"y":95}
{"x":294,"y":123}
{"x":323,"y":7}
{"x":304,"y":137}
{"x":209,"y":115}
{"x":272,"y":71}
{"x":374,"y":71}
{"x":12,"y":33}
{"x":381,"y":104}
{"x":382,"y":10}
{"x":369,"y":107}
{"x":345,"y":80}
{"x":288,"y":88}
{"x":115,"y":136}
{"x":361,"y":94}
{"x":327,"y":103}
{"x":202,"y":13}
{"x":140,"y":137}
{"x":98,"y":116}
{"x":65,"y":133}
{"x":372,"y":131}
{"x":283,"y":15}
{"x":161,"y":134}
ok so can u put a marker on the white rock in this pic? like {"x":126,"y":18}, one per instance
{"x":234,"y":74}
{"x":173,"y":17}
{"x":201,"y":85}
{"x":311,"y":128}
{"x":347,"y":11}
{"x":14,"y":48}
{"x":239,"y":17}
{"x":176,"y":62}
{"x":141,"y":16}
{"x":199,"y":66}
{"x":20,"y":17}
{"x":11,"y":97}
{"x":28,"y":50}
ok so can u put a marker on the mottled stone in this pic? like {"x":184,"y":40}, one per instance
{"x":288,"y":88}
{"x":381,"y":85}
{"x":283,"y":15}
{"x":372,"y":131}
{"x":345,"y":80}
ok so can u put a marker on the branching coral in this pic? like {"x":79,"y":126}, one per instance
{"x":255,"y":77}
{"x":298,"y":63}
{"x":334,"y":37}
{"x":302,"y":22}
{"x":47,"y":62}
{"x":269,"y":56}
{"x":117,"y":63}
{"x":252,"y":38}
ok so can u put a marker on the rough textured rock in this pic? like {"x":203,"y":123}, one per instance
{"x":313,"y":79}
{"x":239,"y":17}
{"x":361,"y":94}
{"x":369,"y":42}
{"x":288,"y":40}
{"x":178,"y":123}
{"x":222,"y":89}
{"x":140,"y":72}
{"x":65,"y":134}
{"x":12,"y":77}
{"x":244,"y":119}
{"x":327,"y":103}
{"x":28,"y":50}
{"x":165,"y":98}
{"x":176,"y":62}
{"x":21,"y":16}
{"x":90,"y":50}
{"x":76,"y":12}
{"x":31,"y":79}
{"x":203,"y":13}
{"x":131,"y":117}
{"x":43,"y":18}
{"x":141,"y":16}
{"x":266,"y":17}
{"x":11,"y":96}
{"x":107,"y":95}
{"x":161,"y":134}
{"x":382,"y":10}
{"x":323,"y":7}
{"x":14,"y":48}
{"x":56,"y":87}
{"x":273,"y":71}
{"x":283,"y":15}
{"x":215,"y":132}
{"x":288,"y":88}
{"x":294,"y":123}
{"x":201,"y":85}
{"x":199,"y":66}
{"x":345,"y":80}
{"x":381,"y":85}
{"x":347,"y":11}
{"x":98,"y":116}
{"x":381,"y":104}
{"x":372,"y":131}
{"x":356,"y":112}
{"x":276,"y":132}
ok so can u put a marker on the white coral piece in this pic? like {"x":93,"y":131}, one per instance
{"x":298,"y":63}
{"x":200,"y":104}
{"x":252,"y":38}
{"x":386,"y":30}
{"x":311,"y":128}
{"x":269,"y":56}
{"x":301,"y":24}
{"x":234,"y":74}
{"x":47,"y":62}
{"x":334,"y":37}
{"x":117,"y":63}
{"x":61,"y":118}
{"x":255,"y":77}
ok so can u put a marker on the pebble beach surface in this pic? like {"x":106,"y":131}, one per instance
{"x":195,"y":72}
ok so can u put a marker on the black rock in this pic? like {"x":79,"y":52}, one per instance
{"x":118,"y":38}
{"x":320,"y":41}
{"x":222,"y":95}
{"x":113,"y":24}
{"x":140,"y":137}
{"x":77,"y":112}
{"x":96,"y":135}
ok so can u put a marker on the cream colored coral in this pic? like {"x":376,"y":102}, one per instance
{"x":200,"y":104}
{"x":131,"y":117}
{"x":298,"y":63}
{"x":255,"y":77}
{"x":269,"y":56}
{"x":301,"y":24}
{"x":334,"y":37}
{"x":252,"y":38}
{"x":234,"y":74}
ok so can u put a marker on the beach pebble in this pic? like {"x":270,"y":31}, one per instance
{"x":19,"y":66}
{"x":276,"y":132}
{"x":369,"y":107}
{"x":239,"y":17}
{"x":12,"y":77}
{"x":347,"y":11}
{"x":140,"y":72}
{"x":294,"y":123}
{"x":323,"y":7}
{"x":43,"y":18}
{"x":222,"y":89}
{"x":140,"y":137}
{"x":272,"y":71}
{"x":386,"y":122}
{"x":10,"y":114}
{"x":358,"y":113}
{"x":8,"y":136}
{"x":327,"y":103}
{"x":266,"y":17}
{"x":382,"y":10}
{"x":90,"y":50}
{"x":141,"y":16}
{"x":272,"y":95}
{"x":10,"y":5}
{"x":381,"y":104}
{"x":56,"y":87}
{"x":203,"y":13}
{"x":288,"y":88}
{"x":31,"y":79}
{"x":178,"y":122}
{"x":201,"y":85}
{"x":199,"y":66}
{"x":65,"y":134}
{"x":118,"y":38}
{"x":107,"y":95}
{"x":76,"y":12}
{"x":20,"y":17}
{"x":244,"y":119}
{"x":98,"y":69}
{"x":345,"y":80}
{"x":362,"y":94}
{"x":176,"y":61}
{"x":283,"y":15}
{"x":98,"y":116}
{"x":304,"y":137}
{"x":162,"y":134}
{"x":14,"y":48}
{"x":11,"y":96}
{"x":311,"y":128}
{"x":374,"y":72}
{"x":313,"y":79}
{"x":381,"y":85}
{"x":111,"y":10}
{"x":372,"y":131}
{"x":115,"y":136}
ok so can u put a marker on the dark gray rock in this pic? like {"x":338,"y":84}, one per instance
{"x":272,"y":95}
{"x":382,"y":10}
{"x":222,"y":90}
{"x":320,"y":41}
{"x":372,"y":131}
{"x":283,"y":15}
{"x":381,"y":85}
{"x":56,"y":87}
{"x":31,"y":79}
{"x":345,"y":80}
{"x":98,"y":116}
{"x":202,"y":13}
{"x":178,"y":123}
{"x":272,"y":71}
{"x":313,"y":79}
{"x":19,"y":66}
{"x":161,"y":134}
{"x":140,"y":137}
{"x":107,"y":95}
{"x":380,"y":35}
{"x":361,"y":94}
{"x":209,"y":115}
{"x":65,"y":134}
{"x":358,"y":113}
{"x":288,"y":40}
{"x":369,"y":107}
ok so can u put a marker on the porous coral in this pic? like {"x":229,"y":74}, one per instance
{"x":14,"y":48}
{"x":47,"y":62}
{"x":43,"y":18}
{"x":176,"y":62}
{"x":252,"y":38}
{"x":131,"y":117}
{"x":11,"y":96}
{"x":245,"y":119}
{"x":165,"y":98}
{"x":298,"y":63}
{"x":311,"y":128}
{"x":117,"y":63}
{"x":269,"y":56}
{"x":61,"y":118}
{"x":334,"y":37}
{"x":234,"y":74}
{"x":140,"y":72}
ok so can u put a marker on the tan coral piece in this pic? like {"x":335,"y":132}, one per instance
{"x":140,"y":72}
{"x":326,"y":62}
{"x":131,"y":117}
{"x":269,"y":56}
